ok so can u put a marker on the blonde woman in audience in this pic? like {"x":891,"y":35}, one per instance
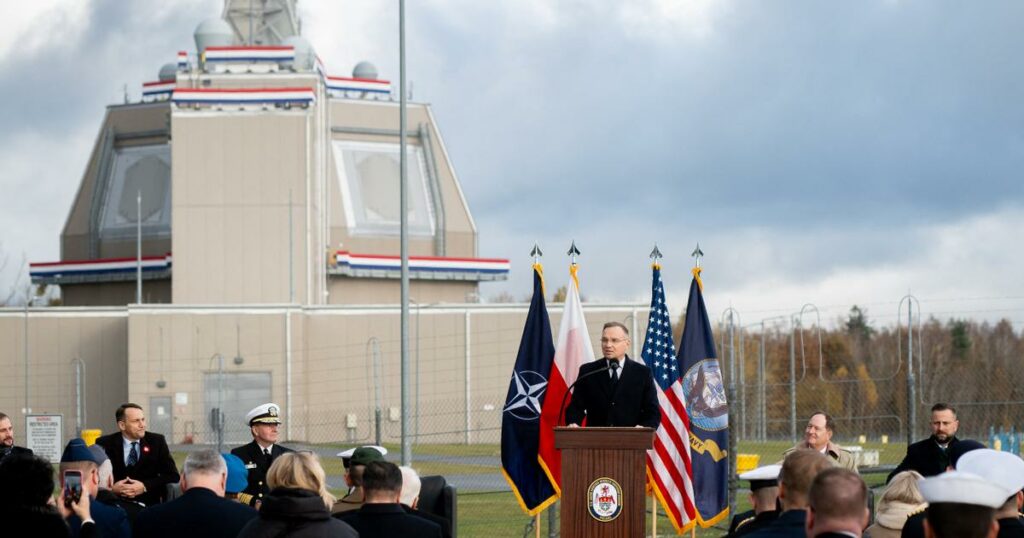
{"x":298,"y":504}
{"x":901,"y":499}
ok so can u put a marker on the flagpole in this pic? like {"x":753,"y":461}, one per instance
{"x":536,"y":524}
{"x":654,"y":516}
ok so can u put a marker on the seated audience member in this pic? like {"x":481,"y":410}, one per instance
{"x":1006,"y":470}
{"x":238,"y":480}
{"x":410,"y":499}
{"x":105,"y":471}
{"x":381,"y":515}
{"x":26,"y":500}
{"x":961,"y":505}
{"x":298,"y":504}
{"x":931,"y":456}
{"x":901,"y":499}
{"x":143,"y":466}
{"x":7,"y":446}
{"x":110,"y":520}
{"x":838,"y":505}
{"x":357,"y":461}
{"x":201,"y":510}
{"x":764,"y":497}
{"x":798,"y":472}
{"x":818,"y":436}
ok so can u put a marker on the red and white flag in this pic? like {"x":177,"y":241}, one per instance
{"x":572,"y":350}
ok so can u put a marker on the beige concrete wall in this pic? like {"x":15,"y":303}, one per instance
{"x":334,"y":373}
{"x":361,"y":291}
{"x":232,"y":173}
{"x":342,"y":361}
{"x":55,"y":338}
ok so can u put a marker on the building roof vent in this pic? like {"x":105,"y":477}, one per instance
{"x":365,"y":70}
{"x":213,"y":33}
{"x":169,"y":73}
{"x":304,"y":54}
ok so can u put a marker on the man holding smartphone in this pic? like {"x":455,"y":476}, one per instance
{"x":79,"y":477}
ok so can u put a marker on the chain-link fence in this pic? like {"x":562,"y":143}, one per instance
{"x":336,"y":374}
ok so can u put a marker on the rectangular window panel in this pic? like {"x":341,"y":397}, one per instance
{"x":368,"y":174}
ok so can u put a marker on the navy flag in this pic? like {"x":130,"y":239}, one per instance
{"x":520,"y":418}
{"x":708,"y":410}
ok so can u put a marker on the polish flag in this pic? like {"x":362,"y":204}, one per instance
{"x":572,"y":351}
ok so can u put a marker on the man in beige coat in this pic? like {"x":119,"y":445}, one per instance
{"x":818,"y":436}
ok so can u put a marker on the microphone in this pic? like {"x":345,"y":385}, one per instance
{"x":612,"y":365}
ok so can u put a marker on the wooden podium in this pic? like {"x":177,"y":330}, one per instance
{"x":588,"y":502}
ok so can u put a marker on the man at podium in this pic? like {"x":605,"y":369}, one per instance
{"x":616,"y":390}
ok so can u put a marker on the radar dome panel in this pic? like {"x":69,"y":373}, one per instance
{"x":368,"y":175}
{"x":262,"y":22}
{"x":145,"y":170}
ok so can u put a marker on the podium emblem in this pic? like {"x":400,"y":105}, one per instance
{"x":604,"y":499}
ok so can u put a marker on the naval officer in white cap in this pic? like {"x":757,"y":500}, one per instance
{"x":764,"y":497}
{"x":263,"y":422}
{"x":962,"y":505}
{"x":1007,"y":470}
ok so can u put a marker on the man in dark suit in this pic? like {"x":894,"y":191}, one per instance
{"x":838,"y":505}
{"x":931,"y":456}
{"x":381,"y":515}
{"x":141,"y":461}
{"x":258,"y":455}
{"x":7,"y":447}
{"x":201,"y":511}
{"x":623,"y":395}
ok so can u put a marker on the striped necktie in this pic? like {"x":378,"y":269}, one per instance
{"x":133,"y":455}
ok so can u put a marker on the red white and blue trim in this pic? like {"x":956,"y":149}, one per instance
{"x":103,"y":270}
{"x":420,"y":267}
{"x":247,"y":55}
{"x":182,"y":60}
{"x":243,"y":96}
{"x":343,"y":84}
{"x":158,"y":89}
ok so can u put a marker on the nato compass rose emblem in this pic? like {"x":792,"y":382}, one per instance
{"x":529,"y":388}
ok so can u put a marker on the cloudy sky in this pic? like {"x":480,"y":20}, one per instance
{"x":820,"y":152}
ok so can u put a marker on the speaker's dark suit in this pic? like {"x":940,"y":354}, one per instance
{"x":631,"y":401}
{"x":155,"y":469}
{"x":258,"y":464}
{"x":198,"y":513}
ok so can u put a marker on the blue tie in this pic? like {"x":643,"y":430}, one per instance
{"x":133,"y":456}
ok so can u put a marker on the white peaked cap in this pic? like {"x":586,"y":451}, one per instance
{"x":348,"y":453}
{"x":767,"y":472}
{"x":1001,"y":468}
{"x":964,"y":488}
{"x":268,"y":413}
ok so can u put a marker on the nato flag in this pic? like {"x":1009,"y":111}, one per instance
{"x":520,"y":418}
{"x":708,"y":410}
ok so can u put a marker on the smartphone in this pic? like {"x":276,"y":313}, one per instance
{"x":72,"y":487}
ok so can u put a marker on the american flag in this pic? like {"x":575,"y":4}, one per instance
{"x":668,"y":464}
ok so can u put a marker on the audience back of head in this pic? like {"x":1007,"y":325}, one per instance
{"x":798,"y":472}
{"x":382,"y":482}
{"x":410,"y":487}
{"x":300,"y":470}
{"x":837,"y":497}
{"x":26,"y":480}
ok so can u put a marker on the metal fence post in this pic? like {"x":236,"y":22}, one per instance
{"x":469,"y":372}
{"x":792,"y":380}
